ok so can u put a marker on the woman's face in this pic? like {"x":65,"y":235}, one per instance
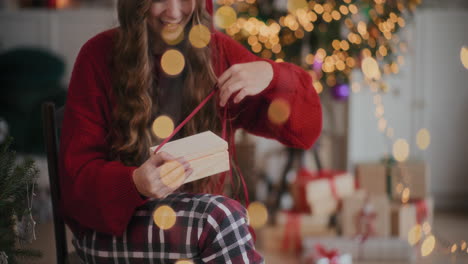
{"x":171,"y":14}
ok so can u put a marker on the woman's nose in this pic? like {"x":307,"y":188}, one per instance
{"x":173,"y":9}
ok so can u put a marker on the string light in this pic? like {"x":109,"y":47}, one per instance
{"x":464,"y":56}
{"x":257,"y":214}
{"x":163,"y":126}
{"x":400,"y":150}
{"x":172,"y":62}
{"x":423,"y":139}
{"x":164,"y":217}
{"x":428,"y":246}
{"x":279,"y":111}
{"x":199,"y":36}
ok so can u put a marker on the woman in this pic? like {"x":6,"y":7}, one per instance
{"x":111,"y":184}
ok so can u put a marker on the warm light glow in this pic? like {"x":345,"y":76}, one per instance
{"x":401,"y":150}
{"x":428,"y":246}
{"x":172,"y":62}
{"x":463,"y":245}
{"x":405,"y":195}
{"x":309,"y":59}
{"x":279,"y":111}
{"x":163,"y":126}
{"x":172,"y":174}
{"x":225,"y":16}
{"x":257,"y":214}
{"x":318,"y":8}
{"x":294,"y":5}
{"x":164,"y":217}
{"x":370,"y":68}
{"x":423,"y":139}
{"x":379,"y":111}
{"x":399,"y":187}
{"x":362,"y":28}
{"x":353,"y":9}
{"x":355,"y":87}
{"x":184,"y":261}
{"x":454,"y":248}
{"x":414,"y":235}
{"x":172,"y":34}
{"x":199,"y":36}
{"x":344,"y":10}
{"x":464,"y":56}
{"x":426,"y":228}
{"x":318,"y":86}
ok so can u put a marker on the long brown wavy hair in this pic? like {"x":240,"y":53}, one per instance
{"x":135,"y":85}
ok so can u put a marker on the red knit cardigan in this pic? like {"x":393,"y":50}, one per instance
{"x":99,"y":194}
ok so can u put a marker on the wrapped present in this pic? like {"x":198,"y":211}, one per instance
{"x":372,"y":177}
{"x":388,"y":250}
{"x":319,"y":192}
{"x":414,"y":175}
{"x":366,"y":216}
{"x":206,"y":152}
{"x":321,"y":255}
{"x":290,"y":229}
{"x":406,"y":216}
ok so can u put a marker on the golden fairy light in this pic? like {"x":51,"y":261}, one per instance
{"x":453,"y":249}
{"x":184,"y":261}
{"x":414,"y":235}
{"x":401,"y":150}
{"x":164,"y":217}
{"x":379,"y":111}
{"x":257,"y":214}
{"x":199,"y":36}
{"x":279,"y":111}
{"x":428,"y":246}
{"x":294,"y":5}
{"x":405,"y":195}
{"x":464,"y":56}
{"x":172,"y":174}
{"x":370,"y":68}
{"x":423,"y":138}
{"x":172,"y":34}
{"x":225,"y":16}
{"x":463,"y":245}
{"x":344,"y":10}
{"x":318,"y":8}
{"x":355,"y":87}
{"x":163,"y":126}
{"x":309,"y":59}
{"x":399,"y":188}
{"x":426,"y":227}
{"x":382,"y":124}
{"x":318,"y":86}
{"x":172,"y":62}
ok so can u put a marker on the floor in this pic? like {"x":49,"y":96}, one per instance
{"x":449,"y":227}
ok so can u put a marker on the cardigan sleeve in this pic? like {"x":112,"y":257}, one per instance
{"x":97,"y":193}
{"x":289,"y":83}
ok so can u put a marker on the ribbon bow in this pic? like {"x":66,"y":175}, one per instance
{"x":332,"y":254}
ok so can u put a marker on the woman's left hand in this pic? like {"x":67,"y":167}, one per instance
{"x":249,"y":78}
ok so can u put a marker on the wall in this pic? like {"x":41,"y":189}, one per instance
{"x":430,"y":92}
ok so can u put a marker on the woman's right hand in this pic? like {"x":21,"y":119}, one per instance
{"x":160,"y":175}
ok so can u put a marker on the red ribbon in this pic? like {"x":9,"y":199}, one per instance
{"x":292,"y":232}
{"x":421,"y":211}
{"x":332,"y":254}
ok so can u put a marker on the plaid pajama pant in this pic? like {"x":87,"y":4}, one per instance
{"x":208,"y":229}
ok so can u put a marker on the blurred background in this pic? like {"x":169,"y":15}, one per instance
{"x":385,"y":182}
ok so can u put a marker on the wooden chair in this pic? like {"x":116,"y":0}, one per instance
{"x":52,"y":122}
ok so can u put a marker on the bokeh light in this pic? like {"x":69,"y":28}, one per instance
{"x":294,"y":5}
{"x":454,"y":248}
{"x":163,"y":126}
{"x":225,"y":16}
{"x":463,"y":245}
{"x":428,"y":246}
{"x":184,"y":261}
{"x":172,"y":174}
{"x":164,"y":217}
{"x":405,"y":195}
{"x":172,"y":34}
{"x":414,"y":235}
{"x":464,"y":56}
{"x":172,"y":62}
{"x":257,"y":214}
{"x":279,"y":111}
{"x":426,"y":228}
{"x":423,"y":138}
{"x":370,"y":68}
{"x":401,"y":150}
{"x":199,"y":36}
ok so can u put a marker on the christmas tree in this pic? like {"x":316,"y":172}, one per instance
{"x":17,"y":183}
{"x":329,"y":38}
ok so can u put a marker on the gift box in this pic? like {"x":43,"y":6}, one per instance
{"x":290,"y":229}
{"x":206,"y":153}
{"x":372,"y":177}
{"x":319,"y":192}
{"x":414,"y":175}
{"x":405,"y":216}
{"x":388,"y":250}
{"x":365,"y":215}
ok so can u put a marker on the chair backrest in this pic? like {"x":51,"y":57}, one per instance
{"x":52,"y":119}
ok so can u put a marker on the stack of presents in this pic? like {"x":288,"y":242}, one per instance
{"x":339,"y":217}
